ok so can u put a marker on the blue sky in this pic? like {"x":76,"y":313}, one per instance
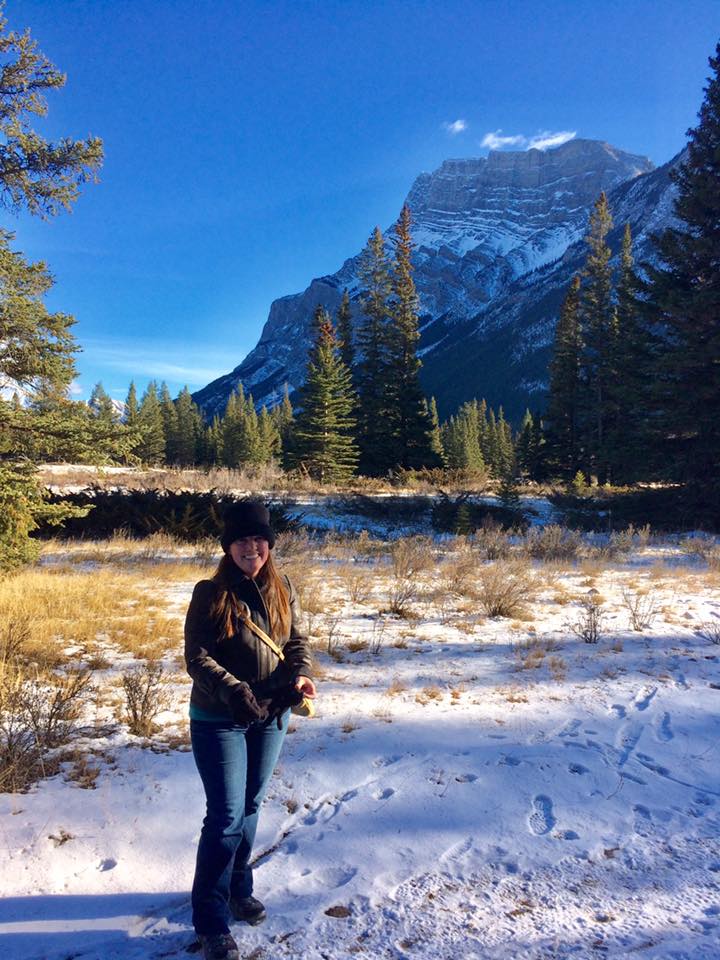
{"x":252,"y":146}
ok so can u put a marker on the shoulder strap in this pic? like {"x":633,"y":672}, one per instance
{"x":244,"y":615}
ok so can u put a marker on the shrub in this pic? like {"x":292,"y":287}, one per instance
{"x":553,"y":543}
{"x":146,"y":696}
{"x":504,"y":588}
{"x":410,"y":558}
{"x":589,"y":623}
{"x":642,"y":609}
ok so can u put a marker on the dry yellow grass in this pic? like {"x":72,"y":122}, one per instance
{"x":69,"y":612}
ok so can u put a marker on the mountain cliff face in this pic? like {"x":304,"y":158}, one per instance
{"x":497,"y":241}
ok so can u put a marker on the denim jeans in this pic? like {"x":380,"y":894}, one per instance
{"x":235,"y":763}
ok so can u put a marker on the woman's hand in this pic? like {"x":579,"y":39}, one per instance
{"x":306,"y":686}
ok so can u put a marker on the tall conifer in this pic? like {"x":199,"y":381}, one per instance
{"x":564,"y":400}
{"x":324,"y":442}
{"x":684,"y":307}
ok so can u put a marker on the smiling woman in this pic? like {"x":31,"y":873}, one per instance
{"x":239,"y":707}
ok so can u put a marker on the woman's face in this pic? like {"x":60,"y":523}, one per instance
{"x":250,"y":554}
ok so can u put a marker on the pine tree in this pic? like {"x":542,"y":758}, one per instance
{"x":376,"y":415}
{"x":37,"y":347}
{"x":102,"y":406}
{"x":684,"y":307}
{"x":631,"y":366}
{"x":410,"y":423}
{"x":285,"y":424}
{"x":435,"y":436}
{"x":268,"y":437}
{"x":188,"y":429}
{"x":597,"y":317}
{"x":170,"y":424}
{"x":525,"y":444}
{"x":343,"y":323}
{"x":565,"y":393}
{"x":36,"y":174}
{"x":131,"y":406}
{"x":151,"y":448}
{"x":325,"y":445}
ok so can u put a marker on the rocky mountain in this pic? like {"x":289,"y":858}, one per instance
{"x":497,"y":241}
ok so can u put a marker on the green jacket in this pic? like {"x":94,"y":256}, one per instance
{"x":216,"y":664}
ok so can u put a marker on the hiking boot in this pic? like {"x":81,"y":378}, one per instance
{"x":248,"y":909}
{"x":219,"y":946}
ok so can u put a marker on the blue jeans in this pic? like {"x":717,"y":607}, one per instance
{"x":235,"y":764}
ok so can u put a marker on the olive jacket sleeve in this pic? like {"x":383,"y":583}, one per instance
{"x":201,"y":641}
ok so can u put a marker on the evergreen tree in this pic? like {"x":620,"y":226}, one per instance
{"x":102,"y":406}
{"x":343,"y":324}
{"x":170,"y":424}
{"x":269,"y":445}
{"x":373,"y":375}
{"x":525,"y":445}
{"x":597,"y":316}
{"x":627,"y":447}
{"x":684,"y":307}
{"x":36,"y":174}
{"x":285,"y":424}
{"x":151,"y":448}
{"x":131,"y":406}
{"x":325,"y":444}
{"x":188,"y":429}
{"x":565,"y":393}
{"x":410,"y":424}
{"x":37,"y":347}
{"x":435,"y":436}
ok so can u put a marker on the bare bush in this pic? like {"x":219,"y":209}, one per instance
{"x":38,"y":713}
{"x":457,"y":573}
{"x":333,"y":638}
{"x":378,"y":635}
{"x":589,"y":623}
{"x":146,"y":695}
{"x":410,"y":558}
{"x":710,"y":631}
{"x":642,"y":609}
{"x":553,"y":543}
{"x":492,"y":541}
{"x":504,"y":588}
{"x":357,"y":581}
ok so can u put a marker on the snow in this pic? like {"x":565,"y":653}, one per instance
{"x":478,"y":788}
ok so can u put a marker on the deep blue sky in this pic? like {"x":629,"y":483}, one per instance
{"x":251,"y":146}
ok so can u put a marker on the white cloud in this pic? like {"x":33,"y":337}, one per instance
{"x":455,"y":127}
{"x":546,"y":140}
{"x":76,"y":389}
{"x":166,"y":361}
{"x":496,"y":140}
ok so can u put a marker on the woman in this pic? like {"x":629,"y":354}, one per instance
{"x":239,"y":708}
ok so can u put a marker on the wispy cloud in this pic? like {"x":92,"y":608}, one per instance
{"x":497,"y":140}
{"x":76,"y":389}
{"x":159,"y":361}
{"x":454,"y":127}
{"x":545,"y":140}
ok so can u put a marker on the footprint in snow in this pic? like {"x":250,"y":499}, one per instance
{"x":571,"y":729}
{"x":383,"y":794}
{"x":386,"y":761}
{"x":578,"y":768}
{"x":644,"y":697}
{"x":664,"y":731}
{"x":108,"y":864}
{"x":619,"y":711}
{"x":541,"y":820}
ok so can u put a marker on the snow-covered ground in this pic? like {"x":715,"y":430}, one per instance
{"x":470,"y":788}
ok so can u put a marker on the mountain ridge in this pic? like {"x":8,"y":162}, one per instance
{"x":494,"y":240}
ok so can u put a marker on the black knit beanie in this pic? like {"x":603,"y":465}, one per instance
{"x":247,"y":518}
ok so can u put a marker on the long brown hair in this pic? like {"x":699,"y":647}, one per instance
{"x":274,"y":592}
